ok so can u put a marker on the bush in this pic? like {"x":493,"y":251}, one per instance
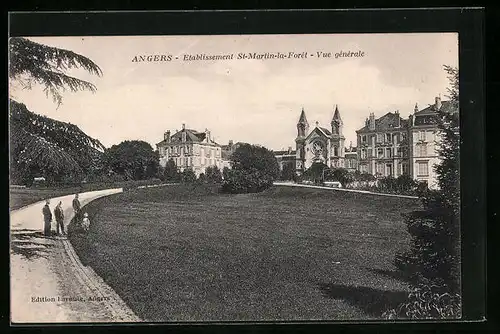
{"x":427,"y":301}
{"x":213,"y":175}
{"x":188,"y":176}
{"x":254,"y":169}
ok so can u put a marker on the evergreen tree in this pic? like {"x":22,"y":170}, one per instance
{"x":41,"y":146}
{"x":433,"y":261}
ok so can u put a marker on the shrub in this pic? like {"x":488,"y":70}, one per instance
{"x":427,"y":301}
{"x":213,"y":175}
{"x":188,"y":176}
{"x":254,"y":169}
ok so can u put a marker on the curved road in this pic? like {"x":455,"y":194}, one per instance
{"x":49,"y":284}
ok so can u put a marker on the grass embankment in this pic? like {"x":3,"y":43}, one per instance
{"x":19,"y":197}
{"x":181,"y":253}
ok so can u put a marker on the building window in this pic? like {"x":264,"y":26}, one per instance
{"x":405,"y":169}
{"x":423,"y":150}
{"x":389,"y":170}
{"x":380,"y":137}
{"x":388,"y":153}
{"x":363,"y":153}
{"x":388,"y":138}
{"x":380,"y":169}
{"x":335,"y":151}
{"x":403,"y":136}
{"x":363,"y":139}
{"x":380,"y":153}
{"x":422,"y":135}
{"x":423,"y":168}
{"x":363,"y":168}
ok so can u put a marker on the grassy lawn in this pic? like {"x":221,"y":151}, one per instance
{"x":180,"y":253}
{"x":19,"y":197}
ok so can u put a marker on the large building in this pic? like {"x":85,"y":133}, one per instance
{"x":392,"y":146}
{"x":191,"y":149}
{"x":424,"y":141}
{"x":286,"y":157}
{"x":323,"y":145}
{"x":383,"y":145}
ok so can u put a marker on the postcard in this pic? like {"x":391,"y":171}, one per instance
{"x":229,"y":178}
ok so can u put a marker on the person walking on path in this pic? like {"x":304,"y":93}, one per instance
{"x":59,"y":213}
{"x":78,"y":208}
{"x":47,"y":218}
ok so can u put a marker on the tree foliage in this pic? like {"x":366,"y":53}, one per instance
{"x":41,"y":146}
{"x":254,"y":168}
{"x":288,"y":171}
{"x":31,"y":62}
{"x":134,"y":159}
{"x":188,"y":176}
{"x":213,"y":174}
{"x":170,"y":172}
{"x":316,"y":172}
{"x":433,"y":261}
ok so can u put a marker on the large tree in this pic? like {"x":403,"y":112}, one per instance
{"x":432,"y":263}
{"x":40,"y":145}
{"x":34,"y":63}
{"x":253,"y":169}
{"x":134,"y":159}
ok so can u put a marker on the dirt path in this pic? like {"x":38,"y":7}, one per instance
{"x":49,"y":284}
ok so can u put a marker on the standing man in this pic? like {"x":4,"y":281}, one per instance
{"x":47,"y":218}
{"x":59,"y":213}
{"x":77,"y":207}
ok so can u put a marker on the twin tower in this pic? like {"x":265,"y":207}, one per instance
{"x":320,"y":145}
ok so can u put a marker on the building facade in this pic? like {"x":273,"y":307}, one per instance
{"x":191,"y":149}
{"x":286,"y":157}
{"x":351,"y":158}
{"x":424,"y":141}
{"x":392,"y":146}
{"x":383,"y":146}
{"x":319,"y":145}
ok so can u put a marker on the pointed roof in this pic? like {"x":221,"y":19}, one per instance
{"x":303,"y":119}
{"x":336,"y":115}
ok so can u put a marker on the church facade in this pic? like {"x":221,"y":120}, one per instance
{"x":319,"y":144}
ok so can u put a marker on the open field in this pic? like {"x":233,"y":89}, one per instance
{"x":181,"y":253}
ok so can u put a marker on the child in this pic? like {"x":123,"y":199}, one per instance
{"x":86,"y":222}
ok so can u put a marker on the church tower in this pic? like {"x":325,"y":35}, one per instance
{"x":302,"y":132}
{"x":337,"y":141}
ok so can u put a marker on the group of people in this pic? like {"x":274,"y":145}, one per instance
{"x":59,"y":216}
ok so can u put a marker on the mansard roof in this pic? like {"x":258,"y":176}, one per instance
{"x":192,"y":136}
{"x":388,"y":122}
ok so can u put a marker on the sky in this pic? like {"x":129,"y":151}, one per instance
{"x":245,"y":100}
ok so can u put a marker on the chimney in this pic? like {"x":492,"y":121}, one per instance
{"x":183,"y":126}
{"x":289,"y":149}
{"x":367,"y":122}
{"x":207,"y":135}
{"x":416,"y":108}
{"x":372,"y":121}
{"x":166,"y":136}
{"x":410,"y":118}
{"x":398,"y":119}
{"x":437,"y":105}
{"x":230,"y":143}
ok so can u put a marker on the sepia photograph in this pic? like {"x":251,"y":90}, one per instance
{"x":234,"y":178}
